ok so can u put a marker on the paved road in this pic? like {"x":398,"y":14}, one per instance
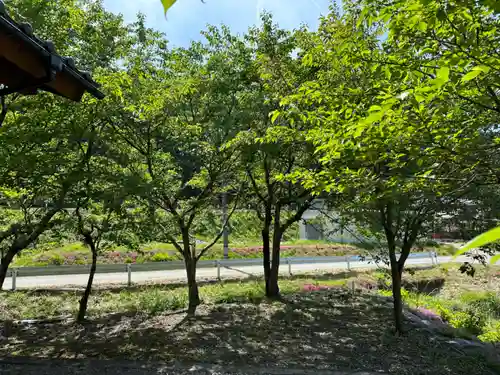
{"x":204,"y":273}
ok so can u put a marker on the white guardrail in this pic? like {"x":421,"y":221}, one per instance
{"x":15,"y":273}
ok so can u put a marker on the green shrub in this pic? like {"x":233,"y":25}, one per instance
{"x":233,"y":293}
{"x":385,"y":292}
{"x":470,"y":321}
{"x":157,"y":246}
{"x":74,"y":247}
{"x":235,"y":255}
{"x":212,"y":255}
{"x":162,"y":257}
{"x":56,"y":260}
{"x":445,"y":313}
{"x":491,"y":332}
{"x":129,"y":260}
{"x":486,"y":304}
{"x":383,"y":279}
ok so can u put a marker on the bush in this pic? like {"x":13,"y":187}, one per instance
{"x":491,"y":332}
{"x":233,"y":293}
{"x":56,"y":260}
{"x":162,"y":257}
{"x":474,"y":313}
{"x":471,"y":322}
{"x":385,"y":292}
{"x":383,"y":279}
{"x":74,"y":247}
{"x":246,"y":253}
{"x":485,"y":304}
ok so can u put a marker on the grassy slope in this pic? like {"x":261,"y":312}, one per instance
{"x":471,"y":304}
{"x":76,"y":253}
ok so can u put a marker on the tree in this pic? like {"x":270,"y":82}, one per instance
{"x":101,"y":225}
{"x":453,"y":45}
{"x":101,"y":217}
{"x":274,"y":150}
{"x":183,"y":109}
{"x":377,"y":149}
{"x":41,"y":138}
{"x":41,"y":164}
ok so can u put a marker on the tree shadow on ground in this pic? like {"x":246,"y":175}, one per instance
{"x":321,"y":330}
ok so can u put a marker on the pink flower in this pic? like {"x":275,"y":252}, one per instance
{"x":428,"y":314}
{"x":314,"y":288}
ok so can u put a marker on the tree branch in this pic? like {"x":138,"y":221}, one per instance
{"x":219,"y":235}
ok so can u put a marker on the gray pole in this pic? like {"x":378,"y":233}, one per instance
{"x":225,"y":234}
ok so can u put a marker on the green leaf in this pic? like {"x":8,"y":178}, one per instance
{"x":422,"y":26}
{"x":362,"y":16}
{"x":373,"y":117}
{"x":274,"y":116}
{"x":482,"y":68}
{"x":443,"y":74}
{"x":167,"y":4}
{"x":308,"y":59}
{"x":471,"y":75}
{"x":481,"y":240}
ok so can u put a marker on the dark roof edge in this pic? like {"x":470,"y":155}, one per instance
{"x":47,"y":49}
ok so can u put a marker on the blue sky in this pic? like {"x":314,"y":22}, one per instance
{"x":188,"y":17}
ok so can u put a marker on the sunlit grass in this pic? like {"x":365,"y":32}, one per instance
{"x":153,"y":299}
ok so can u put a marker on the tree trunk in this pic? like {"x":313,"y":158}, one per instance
{"x":4,"y":267}
{"x":266,"y":245}
{"x":396,"y":274}
{"x":190,"y":263}
{"x":266,"y":252}
{"x":396,"y":270}
{"x":194,"y":296}
{"x":225,"y":229}
{"x":273,"y":290}
{"x":85,"y":298}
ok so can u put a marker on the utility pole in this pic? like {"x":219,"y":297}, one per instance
{"x":225,"y":233}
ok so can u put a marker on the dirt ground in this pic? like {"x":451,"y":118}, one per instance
{"x":326,"y":330}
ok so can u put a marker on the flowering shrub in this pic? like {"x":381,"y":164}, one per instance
{"x":315,"y":288}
